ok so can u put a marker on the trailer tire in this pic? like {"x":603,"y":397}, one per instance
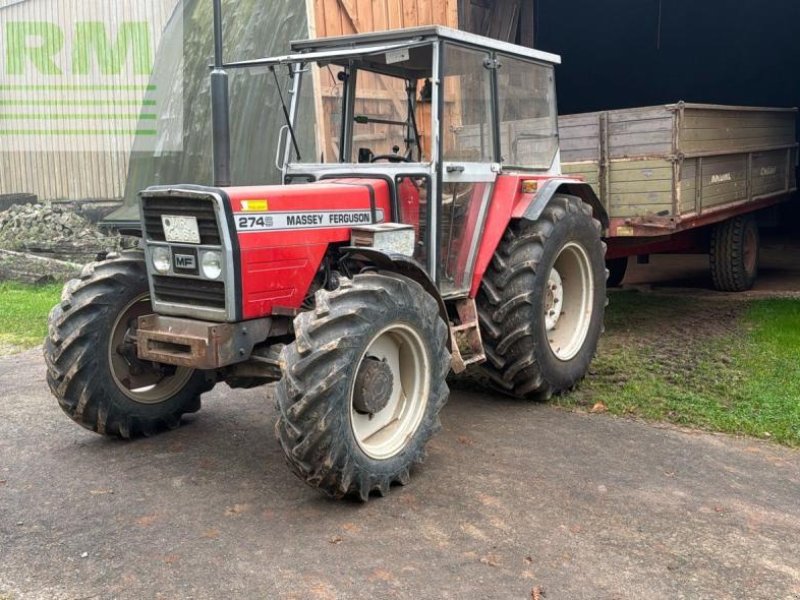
{"x":734,"y":254}
{"x":525,"y":357}
{"x":89,"y":360}
{"x":617,"y":267}
{"x":339,"y":373}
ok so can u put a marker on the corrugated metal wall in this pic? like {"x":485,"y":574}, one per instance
{"x":54,"y":165}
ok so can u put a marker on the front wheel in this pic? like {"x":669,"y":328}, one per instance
{"x":363,"y":385}
{"x":92,"y":363}
{"x":542,"y":301}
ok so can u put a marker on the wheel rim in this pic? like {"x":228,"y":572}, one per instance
{"x":569,"y":302}
{"x":385,"y":433}
{"x":750,"y":250}
{"x":140,"y":381}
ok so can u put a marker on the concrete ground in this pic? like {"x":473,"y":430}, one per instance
{"x":516,"y":500}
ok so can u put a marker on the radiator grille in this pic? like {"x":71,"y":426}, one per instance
{"x":200,"y":208}
{"x":193,"y":292}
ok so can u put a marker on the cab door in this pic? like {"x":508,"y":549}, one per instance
{"x":468,"y":167}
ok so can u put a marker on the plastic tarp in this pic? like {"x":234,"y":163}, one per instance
{"x":253,"y":29}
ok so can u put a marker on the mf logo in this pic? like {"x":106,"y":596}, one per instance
{"x":185,"y":261}
{"x":82,"y":75}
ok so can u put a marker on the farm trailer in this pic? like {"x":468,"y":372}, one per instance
{"x":685,"y":178}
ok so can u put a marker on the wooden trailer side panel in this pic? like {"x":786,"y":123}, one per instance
{"x":658,"y":166}
{"x":718,"y":130}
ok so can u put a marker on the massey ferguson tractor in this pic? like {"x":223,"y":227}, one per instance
{"x":432,"y":233}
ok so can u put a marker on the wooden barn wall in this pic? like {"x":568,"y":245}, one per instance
{"x":507,"y":20}
{"x":345,"y":17}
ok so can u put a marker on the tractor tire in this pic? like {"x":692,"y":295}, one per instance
{"x":92,"y":367}
{"x":734,"y":254}
{"x":557,"y":261}
{"x":363,"y":385}
{"x":617,"y":267}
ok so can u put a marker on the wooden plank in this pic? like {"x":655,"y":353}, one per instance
{"x":636,"y":165}
{"x":410,"y":16}
{"x":693,"y":121}
{"x":641,"y":175}
{"x":636,"y":205}
{"x":638,"y":114}
{"x":577,"y":130}
{"x":527,"y":24}
{"x":641,"y":187}
{"x":571,"y":154}
{"x":330,"y":22}
{"x":439,"y":12}
{"x":653,"y":149}
{"x":364,"y":20}
{"x":642,"y":126}
{"x":579,"y":119}
{"x":424,"y":11}
{"x":394,"y":9}
{"x":349,"y":12}
{"x":773,"y":136}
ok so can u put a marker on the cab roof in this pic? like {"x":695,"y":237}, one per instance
{"x":415,"y":35}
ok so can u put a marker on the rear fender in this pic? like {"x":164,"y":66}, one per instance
{"x":400,"y":264}
{"x":552,"y":187}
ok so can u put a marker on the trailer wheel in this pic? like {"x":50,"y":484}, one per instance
{"x":734,"y":254}
{"x":92,"y":367}
{"x":542,"y":301}
{"x":617,"y":267}
{"x":363,"y":385}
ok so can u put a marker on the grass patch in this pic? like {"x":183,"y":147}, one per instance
{"x":723,"y":366}
{"x":23,"y":314}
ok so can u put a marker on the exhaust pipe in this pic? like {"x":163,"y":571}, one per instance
{"x":220,"y":107}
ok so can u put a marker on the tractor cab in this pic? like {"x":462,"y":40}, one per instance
{"x":437,"y":113}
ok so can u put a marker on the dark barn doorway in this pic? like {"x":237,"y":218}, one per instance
{"x":627,"y":53}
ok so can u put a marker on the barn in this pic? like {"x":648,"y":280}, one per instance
{"x":615,"y":55}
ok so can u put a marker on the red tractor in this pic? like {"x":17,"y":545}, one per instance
{"x":434,"y":234}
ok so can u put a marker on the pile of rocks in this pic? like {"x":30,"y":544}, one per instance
{"x":53,"y":230}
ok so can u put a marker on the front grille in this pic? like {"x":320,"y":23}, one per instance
{"x":193,"y":292}
{"x":200,"y":208}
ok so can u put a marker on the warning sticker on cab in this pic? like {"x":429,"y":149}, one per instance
{"x":278,"y":221}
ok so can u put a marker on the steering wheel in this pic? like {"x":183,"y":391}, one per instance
{"x":395,"y":158}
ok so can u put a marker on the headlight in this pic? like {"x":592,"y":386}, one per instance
{"x":211,"y":263}
{"x":161,"y":259}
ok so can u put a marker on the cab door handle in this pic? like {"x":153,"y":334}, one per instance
{"x":455,"y":168}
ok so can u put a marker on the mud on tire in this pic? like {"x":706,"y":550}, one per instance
{"x":511,"y":302}
{"x":316,"y":394}
{"x":78,"y":352}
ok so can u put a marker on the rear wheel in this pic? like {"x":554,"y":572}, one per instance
{"x":734,"y":254}
{"x":542,"y":301}
{"x":363,"y":385}
{"x":92,"y":365}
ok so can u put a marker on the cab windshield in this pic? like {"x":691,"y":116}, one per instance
{"x":377,"y":108}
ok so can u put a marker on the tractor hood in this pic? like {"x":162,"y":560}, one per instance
{"x":274,"y":239}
